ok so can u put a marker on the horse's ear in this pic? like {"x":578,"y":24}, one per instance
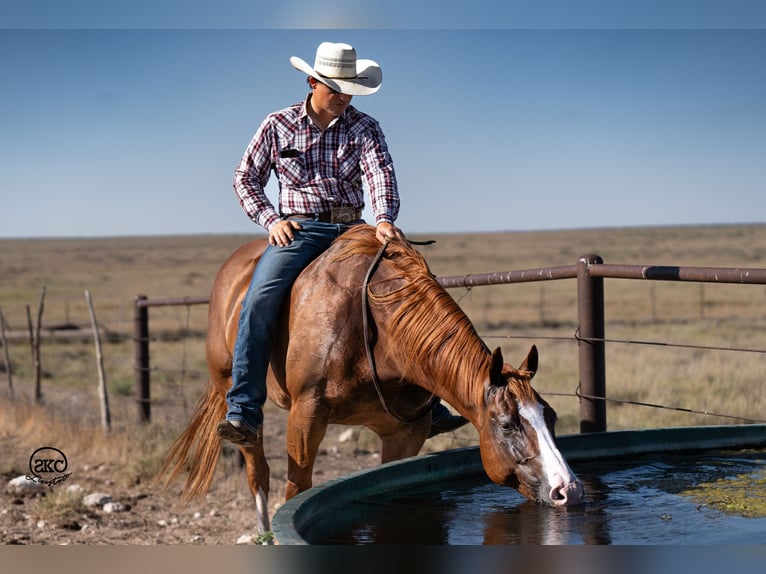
{"x":530,"y":363}
{"x":495,"y":380}
{"x":496,"y":367}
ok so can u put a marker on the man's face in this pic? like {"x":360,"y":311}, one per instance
{"x":327,"y":100}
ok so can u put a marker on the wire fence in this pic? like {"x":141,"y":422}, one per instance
{"x":584,"y":332}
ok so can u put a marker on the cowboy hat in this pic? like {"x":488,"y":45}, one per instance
{"x":336,"y":66}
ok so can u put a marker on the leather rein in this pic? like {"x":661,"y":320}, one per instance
{"x":369,"y":343}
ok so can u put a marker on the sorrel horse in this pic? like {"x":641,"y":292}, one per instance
{"x":335,"y":362}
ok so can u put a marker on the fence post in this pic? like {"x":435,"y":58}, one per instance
{"x":141,"y":364}
{"x":590,"y":317}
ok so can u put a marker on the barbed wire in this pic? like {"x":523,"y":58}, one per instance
{"x":184,"y":372}
{"x":666,"y":344}
{"x":580,"y":395}
{"x":577,"y":337}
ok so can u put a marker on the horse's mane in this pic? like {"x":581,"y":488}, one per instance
{"x":431,"y":331}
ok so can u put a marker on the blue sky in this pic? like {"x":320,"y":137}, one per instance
{"x":131,"y":121}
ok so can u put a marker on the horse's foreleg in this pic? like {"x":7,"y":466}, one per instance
{"x":258,"y":481}
{"x":305,"y":430}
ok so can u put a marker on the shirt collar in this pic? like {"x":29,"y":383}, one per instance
{"x":304,"y":115}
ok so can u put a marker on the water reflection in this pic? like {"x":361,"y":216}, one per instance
{"x":530,"y":523}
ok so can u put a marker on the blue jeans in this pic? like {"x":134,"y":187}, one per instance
{"x":272,"y":279}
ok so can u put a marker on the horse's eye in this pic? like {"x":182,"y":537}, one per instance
{"x":506,"y":424}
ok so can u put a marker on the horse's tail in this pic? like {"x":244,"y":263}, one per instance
{"x":198,"y":448}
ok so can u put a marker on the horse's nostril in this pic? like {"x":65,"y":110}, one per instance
{"x":558,"y":495}
{"x":567,"y":494}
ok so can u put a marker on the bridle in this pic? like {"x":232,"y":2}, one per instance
{"x":369,"y":341}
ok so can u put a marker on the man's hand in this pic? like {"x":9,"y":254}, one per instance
{"x":387,"y":231}
{"x":281,"y":233}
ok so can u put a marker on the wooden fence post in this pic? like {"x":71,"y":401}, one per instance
{"x":6,"y":354}
{"x":106,"y":417}
{"x":34,"y":341}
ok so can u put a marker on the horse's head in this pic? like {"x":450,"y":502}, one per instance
{"x":517,"y":437}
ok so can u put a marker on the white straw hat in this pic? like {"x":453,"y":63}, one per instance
{"x":336,"y":66}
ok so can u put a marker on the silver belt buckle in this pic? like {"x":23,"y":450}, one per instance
{"x":342,"y":214}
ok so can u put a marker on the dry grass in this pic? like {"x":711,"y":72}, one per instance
{"x":513,"y":317}
{"x":116,"y":270}
{"x":135,"y":450}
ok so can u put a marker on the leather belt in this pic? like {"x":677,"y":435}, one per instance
{"x":335,"y":215}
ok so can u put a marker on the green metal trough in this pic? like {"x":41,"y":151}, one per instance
{"x":291,"y":518}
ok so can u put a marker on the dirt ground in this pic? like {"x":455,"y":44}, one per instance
{"x":144,"y":514}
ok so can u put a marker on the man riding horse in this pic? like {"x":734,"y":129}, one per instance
{"x":320,"y":149}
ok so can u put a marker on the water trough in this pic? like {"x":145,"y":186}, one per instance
{"x":642,"y":487}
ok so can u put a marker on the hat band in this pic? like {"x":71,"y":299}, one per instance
{"x":342,"y":77}
{"x":338,"y":68}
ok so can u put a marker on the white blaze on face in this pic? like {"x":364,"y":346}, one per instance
{"x":557,"y":470}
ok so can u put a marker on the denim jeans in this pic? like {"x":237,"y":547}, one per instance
{"x":272,"y":279}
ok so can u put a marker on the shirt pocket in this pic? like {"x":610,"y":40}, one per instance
{"x":292,"y":170}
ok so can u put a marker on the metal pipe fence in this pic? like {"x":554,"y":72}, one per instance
{"x":589,"y":272}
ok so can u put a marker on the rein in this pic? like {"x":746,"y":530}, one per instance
{"x":368,"y":343}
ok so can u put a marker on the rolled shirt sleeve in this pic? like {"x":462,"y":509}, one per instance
{"x":378,"y":169}
{"x":251,"y":176}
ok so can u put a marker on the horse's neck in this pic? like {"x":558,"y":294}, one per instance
{"x":466,"y":398}
{"x":432,"y":341}
{"x":462,"y":387}
{"x":436,"y":342}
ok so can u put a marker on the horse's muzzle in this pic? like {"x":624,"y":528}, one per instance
{"x":570,"y":494}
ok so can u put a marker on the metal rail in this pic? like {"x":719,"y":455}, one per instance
{"x":589,"y":271}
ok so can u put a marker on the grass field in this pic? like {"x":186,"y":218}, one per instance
{"x":116,"y":270}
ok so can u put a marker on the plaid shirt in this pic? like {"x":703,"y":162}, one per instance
{"x":316,"y":170}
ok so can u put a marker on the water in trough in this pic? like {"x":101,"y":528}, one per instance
{"x":700,"y":498}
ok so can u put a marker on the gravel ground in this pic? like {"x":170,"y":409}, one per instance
{"x":142,"y":513}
